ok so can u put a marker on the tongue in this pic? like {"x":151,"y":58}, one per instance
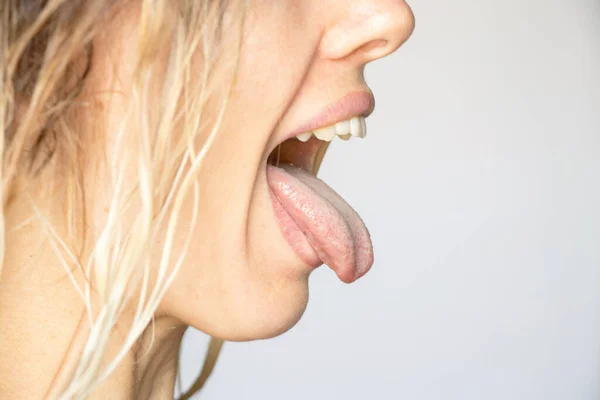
{"x":316,"y":220}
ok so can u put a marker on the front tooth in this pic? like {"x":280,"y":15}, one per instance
{"x":342,"y":128}
{"x":363,"y":124}
{"x":327,"y":134}
{"x":356,"y":127}
{"x":303,"y":137}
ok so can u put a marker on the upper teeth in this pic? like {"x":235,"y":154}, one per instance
{"x":354,"y":126}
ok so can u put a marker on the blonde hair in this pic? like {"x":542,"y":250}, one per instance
{"x":46,"y":49}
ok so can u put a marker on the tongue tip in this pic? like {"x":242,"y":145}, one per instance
{"x":362,"y":270}
{"x":349,"y":274}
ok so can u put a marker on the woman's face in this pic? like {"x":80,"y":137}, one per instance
{"x":261,"y":230}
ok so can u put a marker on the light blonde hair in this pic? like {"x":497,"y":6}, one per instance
{"x":46,"y":49}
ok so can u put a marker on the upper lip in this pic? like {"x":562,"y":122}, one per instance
{"x":351,"y":105}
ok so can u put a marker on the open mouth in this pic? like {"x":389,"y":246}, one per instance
{"x":306,"y":150}
{"x":320,"y":226}
{"x":305,"y":155}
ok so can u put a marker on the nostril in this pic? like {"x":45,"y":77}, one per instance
{"x":372,"y":45}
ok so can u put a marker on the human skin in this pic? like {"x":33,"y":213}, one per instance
{"x":241,"y":280}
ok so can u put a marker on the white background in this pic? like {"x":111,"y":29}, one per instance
{"x":480,"y":183}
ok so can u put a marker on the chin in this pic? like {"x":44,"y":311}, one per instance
{"x":264,"y":313}
{"x":265,"y":320}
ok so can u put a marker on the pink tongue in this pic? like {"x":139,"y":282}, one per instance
{"x":333,"y":229}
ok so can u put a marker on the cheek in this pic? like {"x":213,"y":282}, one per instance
{"x":276,"y":55}
{"x":268,"y":83}
{"x":226,"y":278}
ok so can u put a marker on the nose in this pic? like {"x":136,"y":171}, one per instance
{"x":368,"y":30}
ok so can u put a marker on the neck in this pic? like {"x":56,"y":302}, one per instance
{"x":157,"y":362}
{"x":38,"y":333}
{"x":42,"y":319}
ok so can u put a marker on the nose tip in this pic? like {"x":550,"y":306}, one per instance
{"x":370,"y":32}
{"x":389,"y":30}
